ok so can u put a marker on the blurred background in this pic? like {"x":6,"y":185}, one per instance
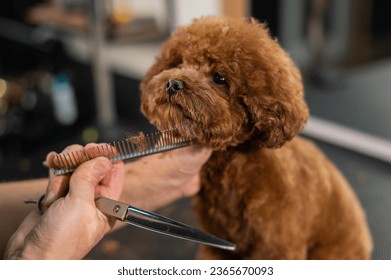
{"x":70,"y":73}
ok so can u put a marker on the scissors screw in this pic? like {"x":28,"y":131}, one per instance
{"x":116,"y":208}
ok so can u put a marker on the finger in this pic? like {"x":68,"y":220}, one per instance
{"x":87,"y":176}
{"x":72,"y":159}
{"x":49,"y":161}
{"x":191,"y":187}
{"x":93,"y":150}
{"x":58,"y":185}
{"x":189,"y":160}
{"x":112,"y":184}
{"x":53,"y":160}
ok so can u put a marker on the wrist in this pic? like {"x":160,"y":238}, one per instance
{"x":25,"y":253}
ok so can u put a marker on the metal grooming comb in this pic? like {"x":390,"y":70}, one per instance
{"x":128,"y":149}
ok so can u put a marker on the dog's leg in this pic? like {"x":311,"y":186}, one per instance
{"x":341,"y":251}
{"x":277,"y":234}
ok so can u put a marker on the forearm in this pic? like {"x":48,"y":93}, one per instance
{"x":12,"y":207}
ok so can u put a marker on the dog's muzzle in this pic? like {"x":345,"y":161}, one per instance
{"x":173,"y":86}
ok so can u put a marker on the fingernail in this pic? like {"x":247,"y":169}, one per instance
{"x":44,"y":163}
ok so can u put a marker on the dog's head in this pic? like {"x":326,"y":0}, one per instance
{"x":223,"y":82}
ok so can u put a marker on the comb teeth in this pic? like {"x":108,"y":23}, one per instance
{"x":67,"y":162}
{"x":132,"y":148}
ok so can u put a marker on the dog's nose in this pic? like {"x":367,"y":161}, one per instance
{"x":173,"y":86}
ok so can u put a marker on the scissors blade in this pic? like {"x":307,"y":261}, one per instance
{"x":154,"y":222}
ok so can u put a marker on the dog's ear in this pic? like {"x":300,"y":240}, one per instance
{"x":274,"y":96}
{"x":274,"y":121}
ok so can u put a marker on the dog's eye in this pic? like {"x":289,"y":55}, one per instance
{"x":217,"y":79}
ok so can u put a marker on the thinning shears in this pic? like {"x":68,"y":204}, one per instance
{"x":154,"y":222}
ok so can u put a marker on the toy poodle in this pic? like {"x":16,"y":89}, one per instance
{"x":227,"y":84}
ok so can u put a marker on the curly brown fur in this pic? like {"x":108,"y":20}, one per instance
{"x":239,"y":93}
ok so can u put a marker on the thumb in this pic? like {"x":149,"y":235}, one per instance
{"x":87,"y":176}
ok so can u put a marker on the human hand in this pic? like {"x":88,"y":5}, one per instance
{"x":72,"y":225}
{"x":157,"y":180}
